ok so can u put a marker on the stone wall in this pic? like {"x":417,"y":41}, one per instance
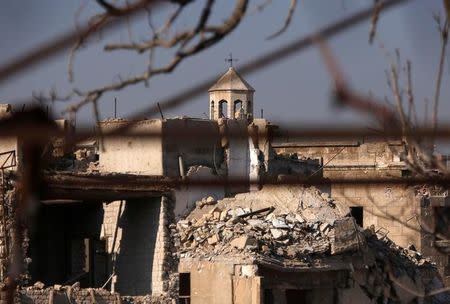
{"x":435,"y":215}
{"x":63,"y":295}
{"x":392,"y":208}
{"x":373,"y":157}
{"x":141,"y":244}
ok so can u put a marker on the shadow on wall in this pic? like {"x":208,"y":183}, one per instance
{"x":139,"y":223}
{"x":65,"y":247}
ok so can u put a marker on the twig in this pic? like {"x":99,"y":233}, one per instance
{"x":287,"y":20}
{"x":374,"y":22}
{"x":444,"y":39}
{"x":64,"y":41}
{"x":412,"y":116}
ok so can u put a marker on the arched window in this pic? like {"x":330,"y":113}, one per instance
{"x":238,"y":109}
{"x":223,"y":104}
{"x":211,"y":110}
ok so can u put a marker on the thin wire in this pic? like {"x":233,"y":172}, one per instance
{"x":330,"y":160}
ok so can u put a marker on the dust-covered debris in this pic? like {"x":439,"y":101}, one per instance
{"x":301,"y":227}
{"x":387,"y":272}
{"x":275,"y":222}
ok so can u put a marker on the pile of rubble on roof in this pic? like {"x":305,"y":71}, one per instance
{"x":294,"y":224}
{"x":301,"y":226}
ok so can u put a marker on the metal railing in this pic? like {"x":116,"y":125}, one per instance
{"x":10,"y":157}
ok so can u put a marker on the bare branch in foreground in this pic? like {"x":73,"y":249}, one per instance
{"x":287,"y":20}
{"x":443,"y":30}
{"x":374,"y":21}
{"x":216,"y":34}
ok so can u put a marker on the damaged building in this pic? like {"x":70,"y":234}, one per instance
{"x":289,"y":244}
{"x":153,"y":215}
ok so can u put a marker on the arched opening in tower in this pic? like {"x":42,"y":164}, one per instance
{"x":223,"y":106}
{"x":238,"y":109}
{"x":211,"y":110}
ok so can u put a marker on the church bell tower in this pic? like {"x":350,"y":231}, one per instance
{"x":231,"y":97}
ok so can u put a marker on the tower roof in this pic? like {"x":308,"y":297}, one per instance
{"x":231,"y":81}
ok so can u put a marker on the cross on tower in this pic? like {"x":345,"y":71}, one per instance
{"x":231,"y":59}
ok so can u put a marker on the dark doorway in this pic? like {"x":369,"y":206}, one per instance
{"x":298,"y":296}
{"x":268,"y":296}
{"x":65,"y":247}
{"x":185,"y":288}
{"x":358,"y":214}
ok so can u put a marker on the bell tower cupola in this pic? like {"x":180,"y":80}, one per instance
{"x":231,"y":97}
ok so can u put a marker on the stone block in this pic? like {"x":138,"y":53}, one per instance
{"x":346,"y":236}
{"x":243,"y":241}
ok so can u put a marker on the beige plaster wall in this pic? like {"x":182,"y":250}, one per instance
{"x":217,"y":282}
{"x":131,"y":153}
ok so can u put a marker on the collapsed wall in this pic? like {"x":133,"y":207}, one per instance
{"x":295,"y":227}
{"x":69,"y":294}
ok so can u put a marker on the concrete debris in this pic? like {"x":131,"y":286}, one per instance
{"x":292,"y":165}
{"x":243,"y":241}
{"x":288,"y":233}
{"x":387,"y":272}
{"x":39,"y":285}
{"x":206,"y":201}
{"x":86,"y":160}
{"x":211,"y":235}
{"x":346,"y":236}
{"x":248,"y":225}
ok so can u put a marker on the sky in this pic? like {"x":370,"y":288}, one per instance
{"x":295,"y":90}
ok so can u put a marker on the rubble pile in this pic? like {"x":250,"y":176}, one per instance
{"x":385,"y":271}
{"x":293,"y":165}
{"x":302,"y":227}
{"x":86,"y":161}
{"x":147,"y":299}
{"x":254,"y":231}
{"x":39,"y":293}
{"x":255,"y":224}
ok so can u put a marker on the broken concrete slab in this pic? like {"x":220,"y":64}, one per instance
{"x":243,"y":241}
{"x":346,"y":236}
